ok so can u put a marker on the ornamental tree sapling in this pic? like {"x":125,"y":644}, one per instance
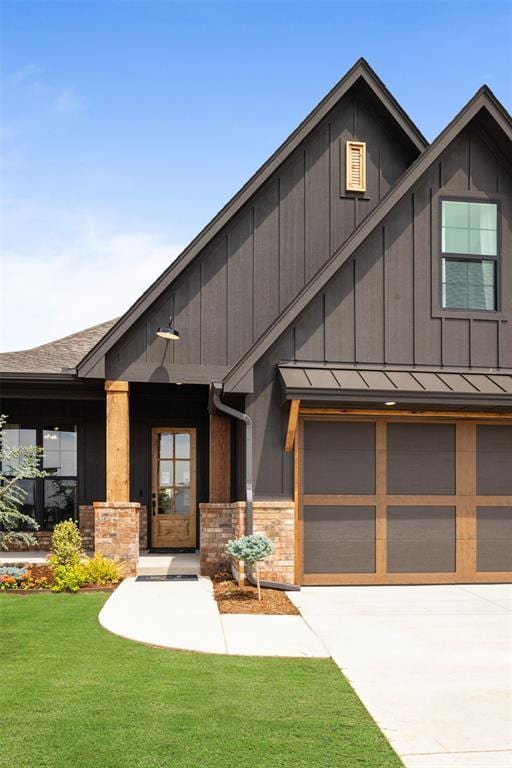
{"x":251,"y":550}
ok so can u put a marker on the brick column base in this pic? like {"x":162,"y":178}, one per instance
{"x":222,"y":522}
{"x":116,"y":532}
{"x":216,"y":529}
{"x":86,"y":525}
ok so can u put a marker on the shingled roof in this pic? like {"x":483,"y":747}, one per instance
{"x":56,"y":355}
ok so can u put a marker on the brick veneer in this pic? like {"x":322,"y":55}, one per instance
{"x":86,"y":524}
{"x":116,"y":532}
{"x":44,"y":539}
{"x":216,"y":529}
{"x":221,"y":522}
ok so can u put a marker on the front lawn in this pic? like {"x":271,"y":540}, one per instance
{"x":74,"y":696}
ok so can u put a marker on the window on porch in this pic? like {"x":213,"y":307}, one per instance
{"x":53,"y":498}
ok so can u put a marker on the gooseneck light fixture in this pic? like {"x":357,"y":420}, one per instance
{"x":168,"y":332}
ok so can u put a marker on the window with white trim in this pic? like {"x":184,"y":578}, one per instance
{"x":469,"y":255}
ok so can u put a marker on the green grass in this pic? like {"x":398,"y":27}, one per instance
{"x":74,"y":696}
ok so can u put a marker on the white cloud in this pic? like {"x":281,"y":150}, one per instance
{"x":67,"y":101}
{"x":30,"y":73}
{"x":33,"y":81}
{"x":54,"y":291}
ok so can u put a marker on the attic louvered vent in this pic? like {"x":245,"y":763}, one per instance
{"x":356,"y":166}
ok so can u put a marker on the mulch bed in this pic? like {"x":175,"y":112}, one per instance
{"x":234,"y":599}
{"x":41,"y":572}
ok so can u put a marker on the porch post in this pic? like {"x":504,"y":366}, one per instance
{"x":118,"y":440}
{"x":220,"y":458}
{"x":116,"y":520}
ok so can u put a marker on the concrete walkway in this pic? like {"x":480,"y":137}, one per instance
{"x":153,"y":563}
{"x":433,"y":665}
{"x":184,"y":615}
{"x":19,"y":558}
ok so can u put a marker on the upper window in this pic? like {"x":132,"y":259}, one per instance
{"x":469,"y":247}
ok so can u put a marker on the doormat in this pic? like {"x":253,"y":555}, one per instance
{"x":169,"y":577}
{"x":172,"y":550}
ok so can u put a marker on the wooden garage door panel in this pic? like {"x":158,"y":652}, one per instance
{"x":494,"y":459}
{"x":421,"y":539}
{"x":421,"y":459}
{"x":494,"y":539}
{"x":339,"y":457}
{"x":339,"y":539}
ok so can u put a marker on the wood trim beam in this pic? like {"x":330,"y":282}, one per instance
{"x":416,"y":415}
{"x":118,"y":440}
{"x":220,"y":459}
{"x":117,"y":386}
{"x":293,"y":418}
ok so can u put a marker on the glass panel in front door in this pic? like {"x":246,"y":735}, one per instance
{"x":174,"y":473}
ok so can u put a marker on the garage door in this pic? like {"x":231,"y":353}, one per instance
{"x":392,"y":501}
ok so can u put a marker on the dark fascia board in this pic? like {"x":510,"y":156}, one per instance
{"x":483,"y":99}
{"x":412,"y":399}
{"x":360,"y":70}
{"x":36,"y":376}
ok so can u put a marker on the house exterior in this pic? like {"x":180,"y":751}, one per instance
{"x":342,"y":379}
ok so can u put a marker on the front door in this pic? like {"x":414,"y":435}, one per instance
{"x":173,"y":492}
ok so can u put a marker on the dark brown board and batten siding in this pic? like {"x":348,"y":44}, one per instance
{"x":381,"y":307}
{"x":278,"y":240}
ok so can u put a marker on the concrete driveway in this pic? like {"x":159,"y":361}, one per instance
{"x":433,"y":665}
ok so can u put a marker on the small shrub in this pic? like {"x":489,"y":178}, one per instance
{"x":69,"y":577}
{"x":67,"y":546}
{"x":97,"y":571}
{"x":251,"y":550}
{"x":101,"y":570}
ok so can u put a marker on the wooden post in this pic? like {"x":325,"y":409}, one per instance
{"x":293,"y":418}
{"x":220,"y":458}
{"x":118,"y":440}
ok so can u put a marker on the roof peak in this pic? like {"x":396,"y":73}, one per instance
{"x":360,"y":69}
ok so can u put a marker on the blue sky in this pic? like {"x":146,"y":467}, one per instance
{"x":127,"y":125}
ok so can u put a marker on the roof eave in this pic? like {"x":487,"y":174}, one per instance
{"x":36,"y":376}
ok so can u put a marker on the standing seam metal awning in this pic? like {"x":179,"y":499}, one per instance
{"x":324,"y":382}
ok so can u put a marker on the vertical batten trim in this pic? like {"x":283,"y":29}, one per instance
{"x":353,"y":271}
{"x":413,"y":238}
{"x":279,"y":244}
{"x":329,"y":193}
{"x":304,"y":233}
{"x":228,"y":262}
{"x":384,"y":294}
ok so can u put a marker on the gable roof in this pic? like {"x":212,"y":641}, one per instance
{"x":360,"y":71}
{"x":483,"y":99}
{"x":56,"y":355}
